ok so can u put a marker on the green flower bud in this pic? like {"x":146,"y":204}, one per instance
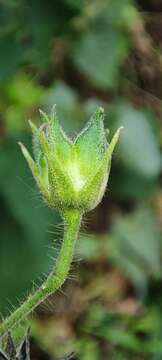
{"x":71,"y":173}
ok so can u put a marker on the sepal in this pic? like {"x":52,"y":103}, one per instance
{"x":41,"y":178}
{"x":91,"y":142}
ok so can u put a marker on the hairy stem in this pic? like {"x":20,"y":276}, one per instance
{"x":72,"y":219}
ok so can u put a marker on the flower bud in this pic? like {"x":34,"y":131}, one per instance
{"x":71,"y":173}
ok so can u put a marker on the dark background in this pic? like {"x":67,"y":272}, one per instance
{"x":80,"y":54}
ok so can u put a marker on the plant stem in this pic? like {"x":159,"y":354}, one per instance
{"x":72,"y":220}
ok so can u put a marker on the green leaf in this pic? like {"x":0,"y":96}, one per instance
{"x":100,"y":53}
{"x":138,"y":149}
{"x":136,"y":239}
{"x":11,"y":55}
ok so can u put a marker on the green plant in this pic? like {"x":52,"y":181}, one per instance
{"x":72,"y":177}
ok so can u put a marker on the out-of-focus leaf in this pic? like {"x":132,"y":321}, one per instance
{"x":88,"y":349}
{"x":11,"y":55}
{"x":121,"y":337}
{"x":137,"y":246}
{"x":100,"y":53}
{"x":129,"y":185}
{"x":16,"y":105}
{"x":75,"y":4}
{"x":148,"y":322}
{"x":22,"y":91}
{"x":138,"y":158}
{"x":134,"y":244}
{"x":88,"y":247}
{"x":45,"y":23}
{"x":126,"y":10}
{"x":108,"y":326}
{"x":138,"y":149}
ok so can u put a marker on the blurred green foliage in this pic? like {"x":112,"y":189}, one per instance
{"x":81,"y":54}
